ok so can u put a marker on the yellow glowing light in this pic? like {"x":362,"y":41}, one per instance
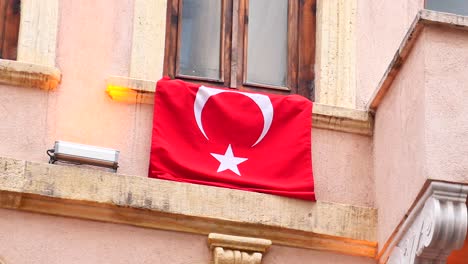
{"x":128,"y":95}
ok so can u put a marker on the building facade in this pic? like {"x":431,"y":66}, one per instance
{"x":389,"y":130}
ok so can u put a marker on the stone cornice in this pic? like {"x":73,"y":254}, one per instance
{"x":29,"y":75}
{"x":131,"y":90}
{"x":435,"y":227}
{"x":140,"y":201}
{"x":424,"y":17}
{"x":342,"y":119}
{"x":329,"y":117}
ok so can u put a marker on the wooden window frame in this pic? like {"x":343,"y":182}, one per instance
{"x":234,"y":40}
{"x":9,"y":28}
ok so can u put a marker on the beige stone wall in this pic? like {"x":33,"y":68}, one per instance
{"x":38,"y":32}
{"x":149,"y":34}
{"x":336,"y":53}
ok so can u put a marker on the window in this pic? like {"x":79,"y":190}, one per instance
{"x":9,"y":28}
{"x":459,"y":7}
{"x":245,"y":44}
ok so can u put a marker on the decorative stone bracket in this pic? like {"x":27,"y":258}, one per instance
{"x":237,"y":250}
{"x":436,"y":227}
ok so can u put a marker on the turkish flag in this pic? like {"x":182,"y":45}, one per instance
{"x":227,"y":138}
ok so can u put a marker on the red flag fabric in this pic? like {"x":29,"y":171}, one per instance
{"x":227,"y":138}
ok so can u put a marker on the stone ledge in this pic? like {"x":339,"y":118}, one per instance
{"x":130,"y":90}
{"x":29,"y":75}
{"x":140,"y":201}
{"x":349,"y":120}
{"x":423,"y":18}
{"x":238,"y":243}
{"x":342,"y":119}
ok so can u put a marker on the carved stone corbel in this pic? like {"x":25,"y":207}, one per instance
{"x":237,"y":250}
{"x":436,"y":227}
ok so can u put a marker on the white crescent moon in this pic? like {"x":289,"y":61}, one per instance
{"x":263,"y":102}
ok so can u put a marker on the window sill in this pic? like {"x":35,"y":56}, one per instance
{"x":152,"y":203}
{"x":29,"y":75}
{"x":129,"y":90}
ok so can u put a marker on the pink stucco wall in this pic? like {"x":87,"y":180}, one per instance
{"x":27,"y":238}
{"x":343,"y":169}
{"x":94,"y":42}
{"x":381,"y":26}
{"x":399,"y":147}
{"x":446,"y":104}
{"x":421,"y":125}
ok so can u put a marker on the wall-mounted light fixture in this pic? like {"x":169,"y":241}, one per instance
{"x":84,"y":154}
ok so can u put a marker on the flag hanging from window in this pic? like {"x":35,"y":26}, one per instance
{"x":232,"y":139}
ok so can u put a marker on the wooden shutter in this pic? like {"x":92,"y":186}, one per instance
{"x":9,"y":28}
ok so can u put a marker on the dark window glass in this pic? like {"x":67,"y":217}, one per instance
{"x":255,"y":45}
{"x":267,"y":42}
{"x":459,"y":7}
{"x":200,"y":43}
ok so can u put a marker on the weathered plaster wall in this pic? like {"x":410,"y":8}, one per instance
{"x":421,"y":129}
{"x":399,"y":145}
{"x":381,"y":25}
{"x":89,"y":50}
{"x":446,"y":103}
{"x":27,"y":238}
{"x":94,"y":42}
{"x":283,"y":255}
{"x":343,"y":170}
{"x":23,"y":122}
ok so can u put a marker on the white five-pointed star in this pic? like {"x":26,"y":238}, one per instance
{"x":228,"y":161}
